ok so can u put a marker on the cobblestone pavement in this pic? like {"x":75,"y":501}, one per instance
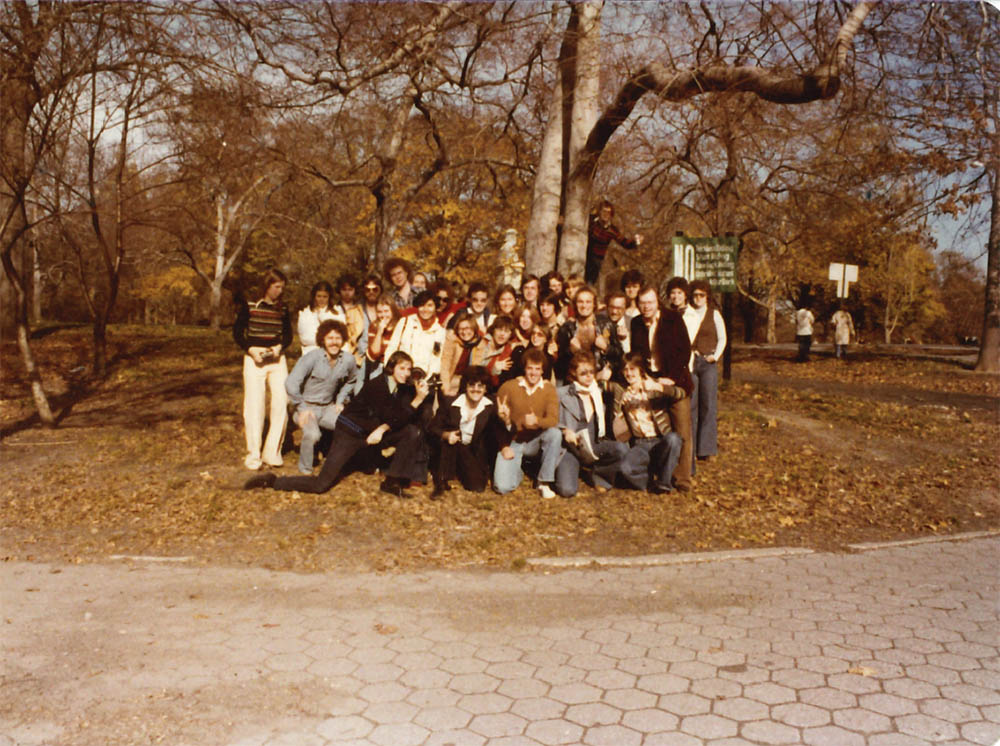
{"x":895,"y":647}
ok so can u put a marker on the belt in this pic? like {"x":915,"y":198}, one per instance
{"x":351,"y":425}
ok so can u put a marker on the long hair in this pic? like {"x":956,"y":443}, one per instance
{"x":385,"y":299}
{"x":272,"y":276}
{"x":321,"y":285}
{"x":706,"y":289}
{"x":395,"y":359}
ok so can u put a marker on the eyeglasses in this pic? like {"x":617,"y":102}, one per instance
{"x":585,"y":372}
{"x":443,"y":299}
{"x":372,"y":288}
{"x":699,"y":295}
{"x":476,"y":387}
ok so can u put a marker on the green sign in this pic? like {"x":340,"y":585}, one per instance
{"x":712,"y":259}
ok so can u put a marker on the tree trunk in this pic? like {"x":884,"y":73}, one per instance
{"x":989,"y":350}
{"x":100,"y":335}
{"x":19,"y":101}
{"x":772,"y":320}
{"x":36,"y":282}
{"x":541,"y":238}
{"x":215,"y":285}
{"x":382,"y":188}
{"x":586,"y":88}
{"x":215,"y":305}
{"x":16,"y":230}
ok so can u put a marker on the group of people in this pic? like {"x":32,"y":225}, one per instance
{"x":843,"y":332}
{"x":474,"y":386}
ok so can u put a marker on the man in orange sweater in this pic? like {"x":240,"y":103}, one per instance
{"x":529,"y":407}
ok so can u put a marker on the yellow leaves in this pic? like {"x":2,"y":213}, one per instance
{"x":786,"y":521}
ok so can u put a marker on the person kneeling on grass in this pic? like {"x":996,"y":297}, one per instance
{"x":529,"y":408}
{"x":581,"y":417}
{"x":643,"y":407}
{"x":387,"y":412}
{"x":319,"y":385}
{"x":465,"y":429}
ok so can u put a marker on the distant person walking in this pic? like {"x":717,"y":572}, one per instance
{"x":843,"y":330}
{"x":804,"y":321}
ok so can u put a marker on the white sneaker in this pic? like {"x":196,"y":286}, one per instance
{"x":252,"y":463}
{"x":546,"y":492}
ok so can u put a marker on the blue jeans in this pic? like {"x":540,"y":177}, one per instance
{"x":507,"y":474}
{"x":705,"y":408}
{"x":652,"y":457}
{"x":324,"y":418}
{"x":609,"y":456}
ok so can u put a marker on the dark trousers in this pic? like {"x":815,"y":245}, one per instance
{"x":593,"y":269}
{"x":409,"y":462}
{"x":805,"y":343}
{"x":468,"y":462}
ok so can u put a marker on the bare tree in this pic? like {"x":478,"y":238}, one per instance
{"x":407,"y":66}
{"x":44,"y":48}
{"x":669,"y":84}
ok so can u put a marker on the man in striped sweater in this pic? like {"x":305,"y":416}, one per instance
{"x":599,"y":236}
{"x":264,"y":329}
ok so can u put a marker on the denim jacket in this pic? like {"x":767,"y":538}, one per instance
{"x":313,"y":380}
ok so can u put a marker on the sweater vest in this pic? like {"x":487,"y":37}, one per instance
{"x":707,"y":337}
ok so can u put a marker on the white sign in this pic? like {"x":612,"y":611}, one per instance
{"x":683,"y":260}
{"x":843,"y":275}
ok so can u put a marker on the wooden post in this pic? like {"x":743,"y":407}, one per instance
{"x":728,"y":306}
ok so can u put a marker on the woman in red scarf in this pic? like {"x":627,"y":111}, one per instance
{"x":462,"y":348}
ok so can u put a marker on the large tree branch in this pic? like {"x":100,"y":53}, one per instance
{"x":672,"y":85}
{"x":423,"y":37}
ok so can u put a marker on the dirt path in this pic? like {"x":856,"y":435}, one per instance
{"x":885,"y":392}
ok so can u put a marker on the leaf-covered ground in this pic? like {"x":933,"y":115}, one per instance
{"x":149,"y":462}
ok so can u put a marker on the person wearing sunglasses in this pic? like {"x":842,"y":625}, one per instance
{"x":446,"y":308}
{"x":708,"y":345}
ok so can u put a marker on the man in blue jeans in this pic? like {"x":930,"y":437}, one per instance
{"x":529,"y":409}
{"x":583,"y":422}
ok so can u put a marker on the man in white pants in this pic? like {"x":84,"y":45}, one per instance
{"x":264,"y":329}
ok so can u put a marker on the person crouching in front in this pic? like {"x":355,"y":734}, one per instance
{"x":582,"y":419}
{"x":387,"y":412}
{"x":528,"y":406}
{"x":465,"y":429}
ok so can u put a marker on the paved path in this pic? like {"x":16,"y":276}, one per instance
{"x":894,"y":647}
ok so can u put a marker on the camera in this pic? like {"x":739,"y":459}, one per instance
{"x":419,"y":374}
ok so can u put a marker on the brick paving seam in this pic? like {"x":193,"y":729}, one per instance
{"x":895,"y":647}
